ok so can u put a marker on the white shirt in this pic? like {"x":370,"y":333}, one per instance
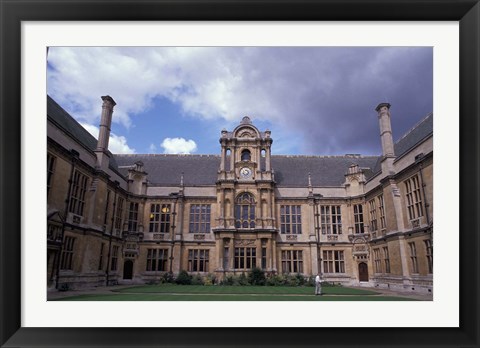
{"x":317,"y":279}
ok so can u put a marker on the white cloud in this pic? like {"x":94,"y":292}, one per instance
{"x":116,"y":144}
{"x":178,"y":145}
{"x":152,"y":148}
{"x":318,"y":88}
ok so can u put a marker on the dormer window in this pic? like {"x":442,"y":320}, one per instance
{"x":246,"y":155}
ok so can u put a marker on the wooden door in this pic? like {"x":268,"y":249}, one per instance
{"x":363,"y":272}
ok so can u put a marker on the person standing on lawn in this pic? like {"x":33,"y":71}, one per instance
{"x":318,"y":284}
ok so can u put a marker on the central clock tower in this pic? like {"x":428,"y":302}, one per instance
{"x":245,"y":198}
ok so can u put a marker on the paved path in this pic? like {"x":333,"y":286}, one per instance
{"x":54,"y":294}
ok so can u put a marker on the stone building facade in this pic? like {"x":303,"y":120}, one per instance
{"x":359,"y":220}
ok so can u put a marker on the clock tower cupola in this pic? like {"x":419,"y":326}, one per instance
{"x":246,"y":154}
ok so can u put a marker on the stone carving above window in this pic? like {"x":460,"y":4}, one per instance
{"x":244,"y":242}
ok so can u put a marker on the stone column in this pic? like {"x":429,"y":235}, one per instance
{"x":274,"y":255}
{"x":222,"y":159}
{"x":404,"y":258}
{"x":231,"y":252}
{"x":219,"y":252}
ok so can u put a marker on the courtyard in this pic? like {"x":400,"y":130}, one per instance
{"x":174,"y":292}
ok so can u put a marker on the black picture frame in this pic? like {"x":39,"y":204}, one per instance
{"x":12,"y":12}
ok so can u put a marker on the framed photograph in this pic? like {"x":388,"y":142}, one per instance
{"x":32,"y":31}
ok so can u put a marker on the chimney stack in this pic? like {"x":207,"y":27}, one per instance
{"x":104,"y":132}
{"x":386,"y":137}
{"x":105,"y":123}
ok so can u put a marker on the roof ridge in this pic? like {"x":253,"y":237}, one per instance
{"x":67,"y":114}
{"x":166,"y":155}
{"x":328,"y":156}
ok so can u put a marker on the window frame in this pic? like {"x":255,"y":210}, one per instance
{"x":358,"y":218}
{"x":413,"y":257}
{"x":414,"y":199}
{"x":290,"y":219}
{"x":331,"y":219}
{"x":244,"y":211}
{"x":157,"y":260}
{"x":133,"y":217}
{"x":160,"y":218}
{"x":51,"y":164}
{"x":68,"y":251}
{"x":119,"y":213}
{"x":381,"y":210}
{"x":245,"y":258}
{"x":200,"y":222}
{"x":198,"y":260}
{"x":429,"y":254}
{"x":333,"y":261}
{"x":114,"y":258}
{"x":78,"y":192}
{"x":386,"y":259}
{"x":377,"y":260}
{"x":292,"y":261}
{"x":373,"y":215}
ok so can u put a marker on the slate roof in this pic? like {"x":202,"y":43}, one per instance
{"x":68,"y":124}
{"x":290,"y":171}
{"x":419,"y":132}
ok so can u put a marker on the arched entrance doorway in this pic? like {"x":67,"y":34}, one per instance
{"x":128,"y":269}
{"x":362,"y":272}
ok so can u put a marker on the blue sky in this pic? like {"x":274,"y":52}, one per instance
{"x":315,"y":100}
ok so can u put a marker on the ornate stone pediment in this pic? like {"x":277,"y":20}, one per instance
{"x":246,"y":134}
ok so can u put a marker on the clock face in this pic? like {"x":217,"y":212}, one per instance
{"x":245,"y":172}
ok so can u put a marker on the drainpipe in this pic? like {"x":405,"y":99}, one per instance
{"x":174,"y":213}
{"x":317,"y":228}
{"x":75,"y":156}
{"x":111,"y":234}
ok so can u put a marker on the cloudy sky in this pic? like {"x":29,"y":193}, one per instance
{"x":315,"y":100}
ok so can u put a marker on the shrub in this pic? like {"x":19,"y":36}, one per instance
{"x":274,"y":280}
{"x":167,"y":277}
{"x":300,"y":279}
{"x":291,"y":280}
{"x":183,"y":278}
{"x":197,"y":280}
{"x":227,"y":280}
{"x":256,"y":277}
{"x":242,"y":280}
{"x":310,"y":281}
{"x":210,"y":279}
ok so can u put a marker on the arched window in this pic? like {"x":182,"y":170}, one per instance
{"x":246,"y":155}
{"x":245,"y":211}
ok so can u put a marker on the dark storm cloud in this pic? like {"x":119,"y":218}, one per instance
{"x":327,"y":96}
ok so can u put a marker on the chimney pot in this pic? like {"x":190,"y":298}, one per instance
{"x":381,"y":105}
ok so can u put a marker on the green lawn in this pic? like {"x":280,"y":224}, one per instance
{"x":172,"y":292}
{"x":204,"y":297}
{"x":231,"y":289}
